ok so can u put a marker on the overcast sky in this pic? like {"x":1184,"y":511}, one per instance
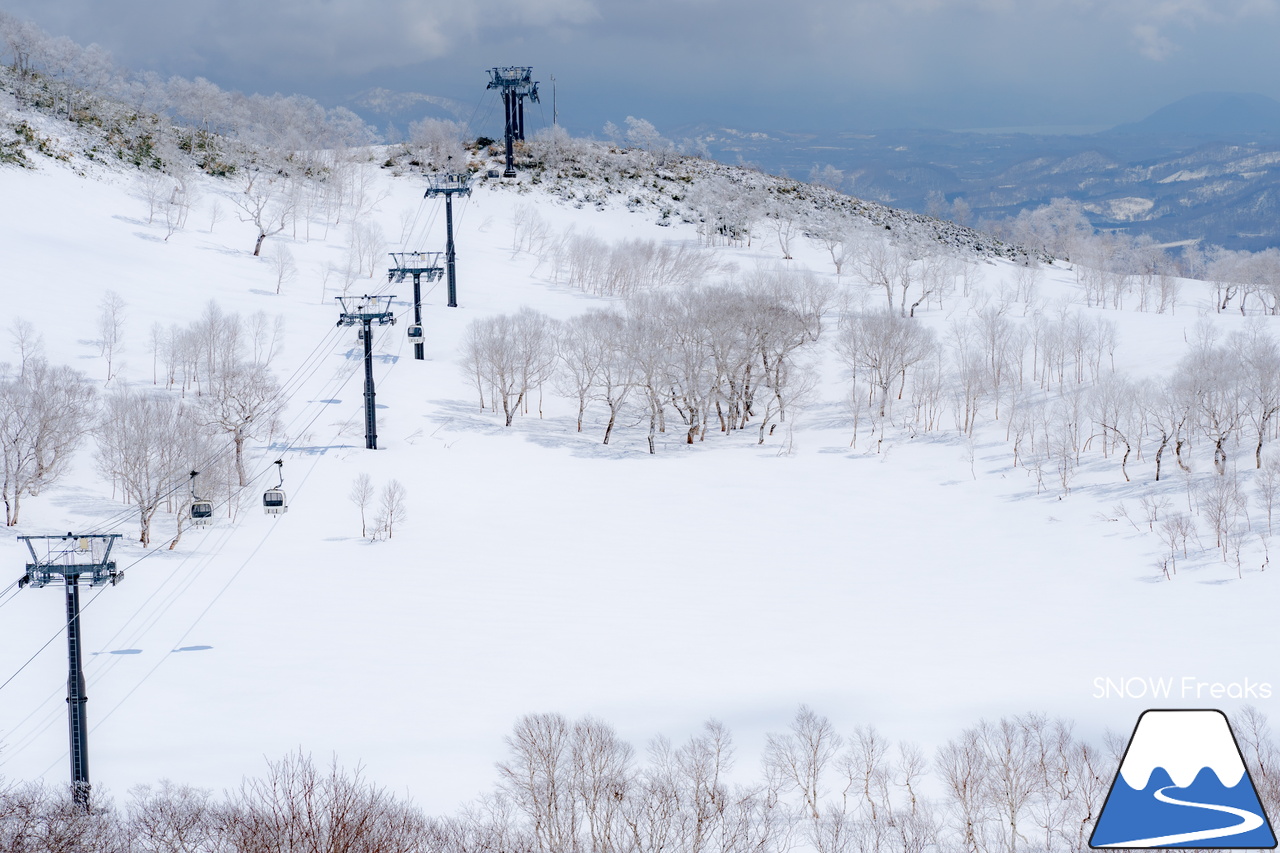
{"x":752,"y":64}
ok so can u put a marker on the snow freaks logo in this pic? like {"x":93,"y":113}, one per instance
{"x":1187,"y":687}
{"x":1182,"y":783}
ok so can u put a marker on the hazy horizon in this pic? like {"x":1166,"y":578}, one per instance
{"x":818,"y":66}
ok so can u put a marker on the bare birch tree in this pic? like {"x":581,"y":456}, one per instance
{"x":45,"y":413}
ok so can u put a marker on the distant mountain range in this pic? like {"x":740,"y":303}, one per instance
{"x":1205,"y":168}
{"x":1210,"y":114}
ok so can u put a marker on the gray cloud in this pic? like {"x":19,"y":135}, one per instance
{"x":330,"y":36}
{"x":1151,"y":44}
{"x":830,"y":62}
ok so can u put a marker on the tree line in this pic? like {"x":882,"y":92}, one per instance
{"x":1040,"y":371}
{"x":288,"y":160}
{"x":705,"y":357}
{"x":84,"y":84}
{"x":704,"y":353}
{"x":1116,"y":270}
{"x":739,"y":207}
{"x":1020,"y":784}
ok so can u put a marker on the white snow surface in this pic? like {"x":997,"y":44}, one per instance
{"x":918,"y":588}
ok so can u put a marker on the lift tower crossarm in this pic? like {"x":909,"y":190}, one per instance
{"x":414,"y":264}
{"x":417,"y":265}
{"x":68,"y":558}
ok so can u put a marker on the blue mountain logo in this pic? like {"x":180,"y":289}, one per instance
{"x":1183,"y":783}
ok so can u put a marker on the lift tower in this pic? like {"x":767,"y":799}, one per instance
{"x":448,"y":185}
{"x":66,"y":558}
{"x":365,"y":311}
{"x":417,"y":264}
{"x":516,"y":83}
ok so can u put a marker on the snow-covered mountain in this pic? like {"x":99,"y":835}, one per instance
{"x":958,"y":560}
{"x":1200,"y":169}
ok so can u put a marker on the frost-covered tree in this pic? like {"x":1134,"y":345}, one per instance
{"x":552,"y":146}
{"x":28,"y":343}
{"x":1212,"y":379}
{"x":1113,"y":405}
{"x":243,"y":400}
{"x":510,"y":356}
{"x":881,"y":346}
{"x":595,"y":363}
{"x":879,"y":263}
{"x":45,"y":412}
{"x":111,"y":320}
{"x":437,"y":143}
{"x":180,"y":196}
{"x":827,"y":176}
{"x":392,"y":508}
{"x":802,"y":757}
{"x":1222,"y":502}
{"x":283,"y":267}
{"x":784,"y":221}
{"x":23,"y":44}
{"x":218,"y":342}
{"x":642,"y":134}
{"x":1259,"y":362}
{"x":152,"y":188}
{"x":580,"y":352}
{"x":727,"y":210}
{"x":366,"y":248}
{"x":147,"y":444}
{"x":299,"y":806}
{"x":264,"y":202}
{"x":832,"y":232}
{"x":1058,"y":228}
{"x":782,"y":314}
{"x":538,"y":778}
{"x":361,"y":494}
{"x":645,"y":343}
{"x":1166,"y":412}
{"x":615,"y":374}
{"x":692,"y":375}
{"x":203,"y":106}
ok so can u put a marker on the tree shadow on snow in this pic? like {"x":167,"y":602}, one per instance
{"x":555,"y":432}
{"x":309,"y":449}
{"x":357,"y":354}
{"x":82,"y":502}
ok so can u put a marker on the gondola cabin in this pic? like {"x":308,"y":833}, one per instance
{"x":274,"y":502}
{"x":415,"y":334}
{"x":360,"y":334}
{"x":201,"y":513}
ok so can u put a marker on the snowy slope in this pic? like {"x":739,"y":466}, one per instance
{"x":917,"y":589}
